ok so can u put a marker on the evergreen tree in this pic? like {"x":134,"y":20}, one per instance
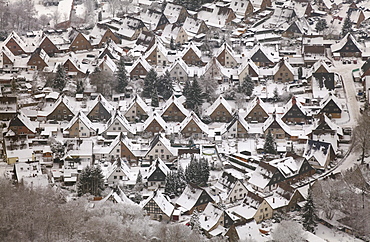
{"x":60,"y":79}
{"x":269,"y":146}
{"x":155,"y":99}
{"x":149,"y":83}
{"x":321,"y":25}
{"x":309,"y":216}
{"x":187,"y":90}
{"x":347,"y":26}
{"x":164,"y":85}
{"x":170,"y":186}
{"x":247,"y":86}
{"x":80,"y":87}
{"x":194,"y":222}
{"x":122,"y":79}
{"x":139,"y":178}
{"x":204,"y":171}
{"x":91,"y":181}
{"x":197,"y":172}
{"x":276,"y":94}
{"x":195,"y":101}
{"x":300,"y":72}
{"x":181,"y":180}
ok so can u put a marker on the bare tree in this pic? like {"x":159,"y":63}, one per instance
{"x":361,"y":134}
{"x":288,"y":231}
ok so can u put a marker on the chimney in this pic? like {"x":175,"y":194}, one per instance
{"x":273,"y":200}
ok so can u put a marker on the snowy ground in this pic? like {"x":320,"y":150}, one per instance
{"x":332,"y":235}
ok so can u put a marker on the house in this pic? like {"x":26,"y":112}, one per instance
{"x":220,"y":111}
{"x":248,"y":68}
{"x":216,"y":15}
{"x":331,"y":106}
{"x":79,"y":127}
{"x":215,"y":72}
{"x":15,"y":44}
{"x":160,"y":147}
{"x":80,"y":42}
{"x":139,"y":69}
{"x":193,"y":127}
{"x":157,"y":54}
{"x":175,"y":13}
{"x":194,"y":27}
{"x":154,"y":124}
{"x":357,"y":16}
{"x":321,"y":72}
{"x":100,"y":109}
{"x":157,"y":173}
{"x":347,"y":47}
{"x":191,"y":55}
{"x":118,"y":124}
{"x":294,"y":112}
{"x":173,"y":110}
{"x":174,"y":33}
{"x":242,"y":8}
{"x":179,"y":70}
{"x":250,"y":230}
{"x":260,"y":57}
{"x":107,"y":65}
{"x":247,"y":211}
{"x":256,"y":111}
{"x":328,"y":6}
{"x":122,"y":148}
{"x":48,"y":46}
{"x":128,"y":28}
{"x":153,"y":19}
{"x":137,"y":110}
{"x":61,"y":110}
{"x":365,"y":68}
{"x":38,"y":60}
{"x":278,"y":128}
{"x":112,"y":50}
{"x":106,"y":37}
{"x":213,"y":219}
{"x":73,"y":66}
{"x":296,"y":29}
{"x":234,"y":188}
{"x":193,"y":198}
{"x":158,"y":207}
{"x":266,"y":177}
{"x":237,"y":128}
{"x":118,"y":171}
{"x":313,"y":44}
{"x":284,"y":72}
{"x":319,"y":154}
{"x":22,"y":125}
{"x":225,"y":56}
{"x":325,"y":126}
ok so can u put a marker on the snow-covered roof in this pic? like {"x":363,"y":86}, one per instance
{"x":191,"y":25}
{"x":219,"y":101}
{"x":158,"y":164}
{"x":210,"y":216}
{"x":333,"y":126}
{"x":330,"y":96}
{"x":319,"y":150}
{"x":189,"y":197}
{"x":161,"y":201}
{"x":261,"y":177}
{"x":256,"y":101}
{"x":121,"y":164}
{"x":104,"y":102}
{"x":172,"y":12}
{"x":141,"y":60}
{"x":26,"y":121}
{"x":193,"y":117}
{"x":288,"y":166}
{"x":176,"y":101}
{"x":107,"y":61}
{"x":282,"y":63}
{"x":248,"y":63}
{"x":193,"y":47}
{"x":117,"y":116}
{"x":155,"y":117}
{"x":80,"y":116}
{"x":280,"y":122}
{"x":342,"y":42}
{"x":236,"y":118}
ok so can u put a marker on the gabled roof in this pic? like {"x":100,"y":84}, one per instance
{"x":157,"y":44}
{"x":342,"y":42}
{"x":8,"y":53}
{"x":210,"y":216}
{"x":179,"y":62}
{"x":141,"y":60}
{"x":176,"y":101}
{"x":318,"y":64}
{"x":158,"y":164}
{"x":247,"y":63}
{"x":84,"y":119}
{"x":333,"y":126}
{"x":104,"y":102}
{"x":26,"y":121}
{"x":109,"y":62}
{"x":262,"y":176}
{"x":122,"y":166}
{"x":328,"y":98}
{"x":225,"y":46}
{"x":189,"y":196}
{"x":197,"y":121}
{"x":288,"y":166}
{"x":117,"y":116}
{"x":236,"y":118}
{"x":75,"y":61}
{"x":112,"y":49}
{"x":280,"y":122}
{"x":260,"y":48}
{"x":256,"y":101}
{"x":319,"y":150}
{"x":294,"y":102}
{"x":62,"y":99}
{"x":164,"y":141}
{"x":121,"y":138}
{"x":192,"y":47}
{"x":219,"y":101}
{"x":282,"y":63}
{"x":17,"y":39}
{"x":137,"y":99}
{"x":172,"y":12}
{"x":161,"y":201}
{"x":157,"y":118}
{"x":192,"y":26}
{"x":151,"y":18}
